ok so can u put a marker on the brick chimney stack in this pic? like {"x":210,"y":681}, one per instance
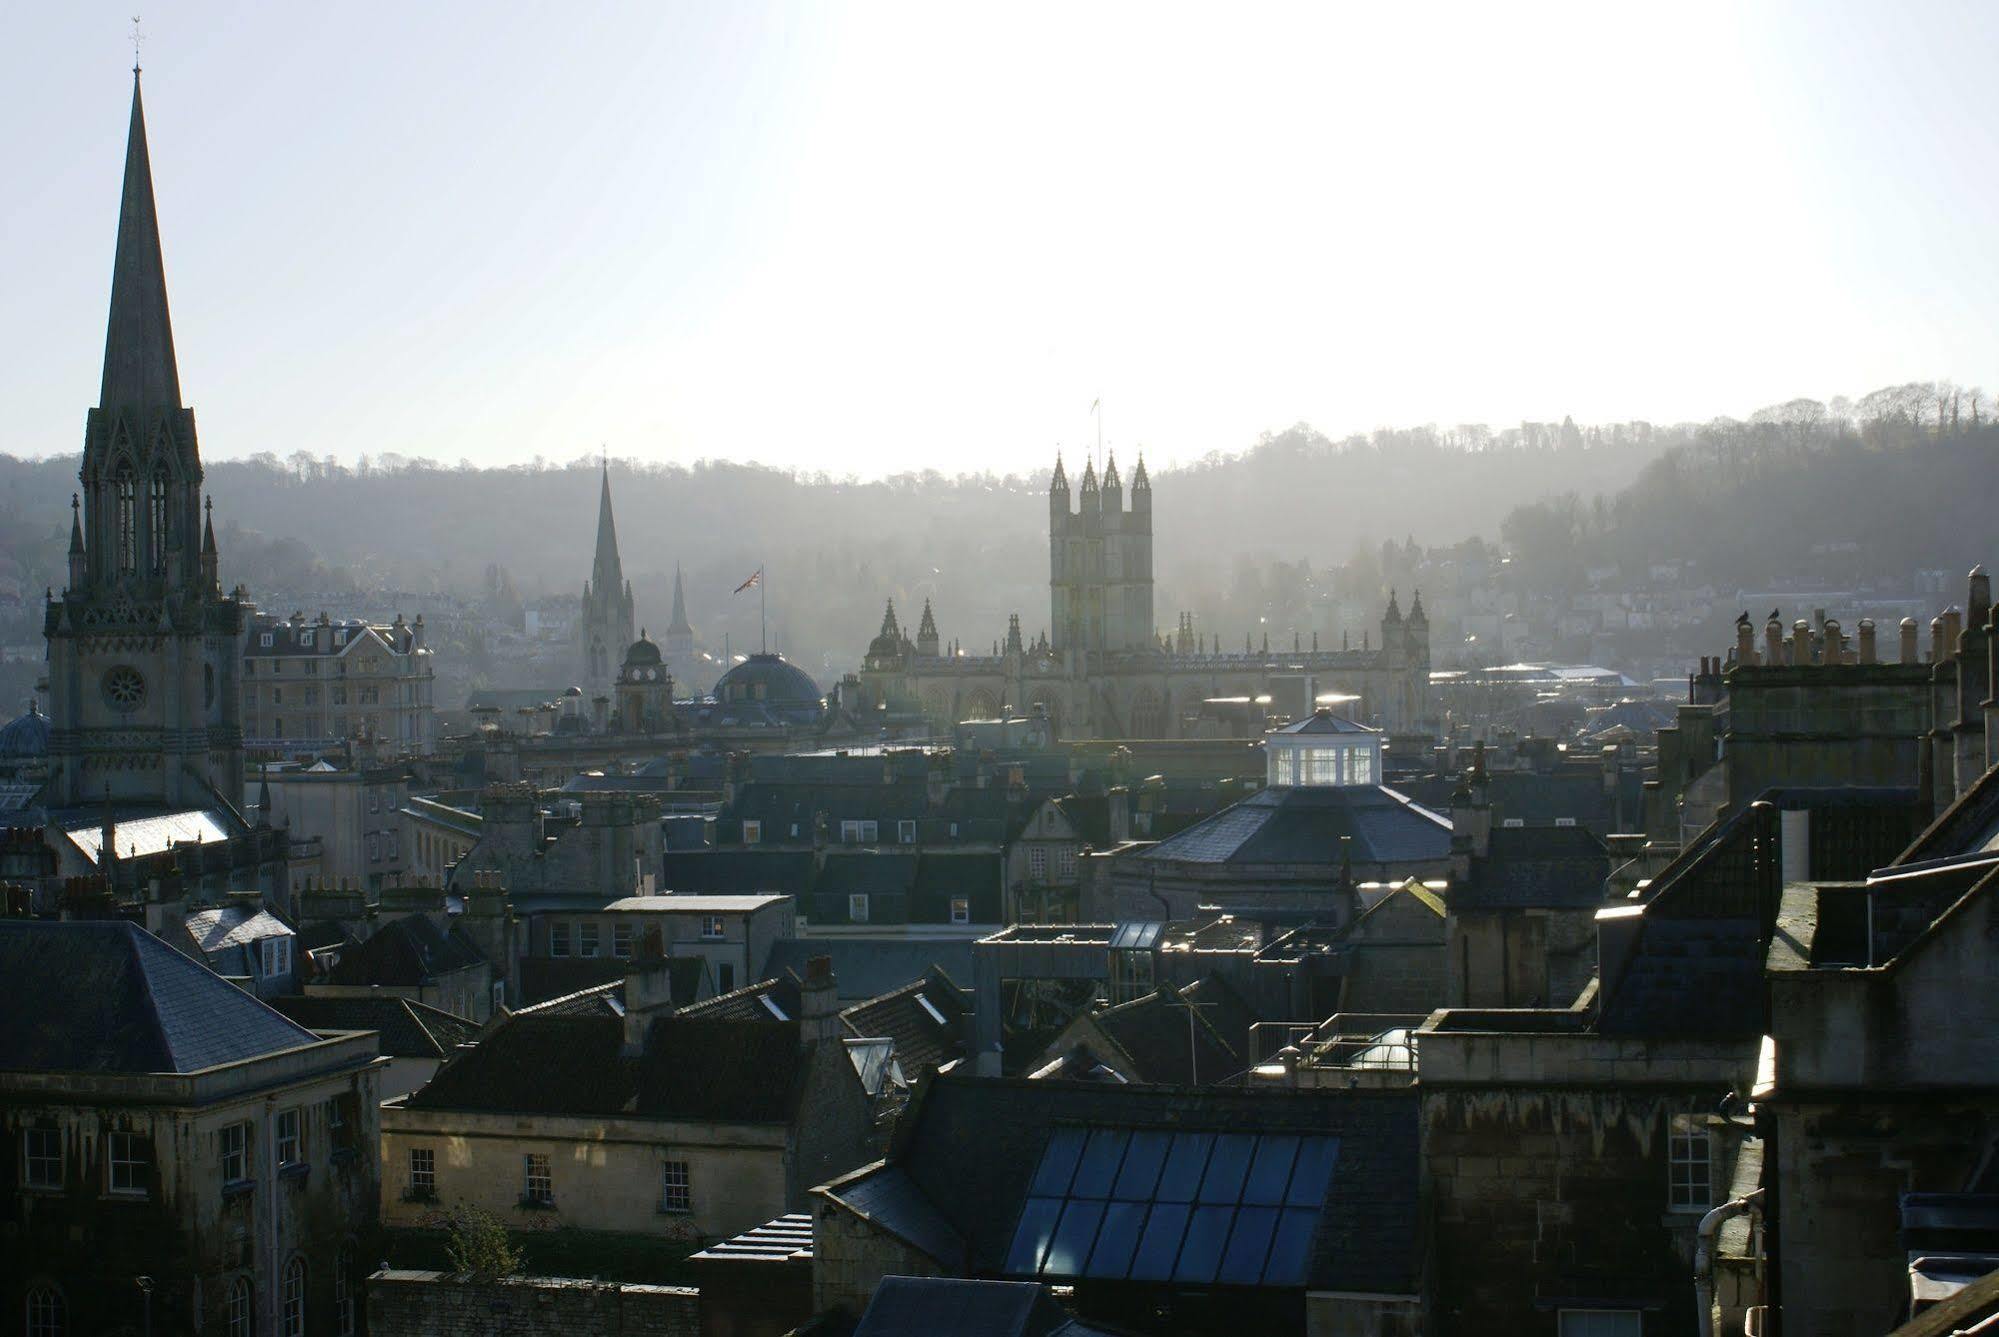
{"x":818,"y":1003}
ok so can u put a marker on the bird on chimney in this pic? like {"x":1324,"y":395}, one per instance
{"x":1742,"y":617}
{"x":1776,"y":615}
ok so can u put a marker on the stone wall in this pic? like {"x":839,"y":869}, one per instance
{"x":437,"y":1304}
{"x":850,"y":1256}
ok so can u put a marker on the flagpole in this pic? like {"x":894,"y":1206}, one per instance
{"x":763,"y":631}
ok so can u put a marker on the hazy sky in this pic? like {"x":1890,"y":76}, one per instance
{"x":866,"y":237}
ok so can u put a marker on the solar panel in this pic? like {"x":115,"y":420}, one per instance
{"x":1199,"y":1208}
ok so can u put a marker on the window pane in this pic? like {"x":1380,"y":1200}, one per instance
{"x":1291,"y":1248}
{"x":1249,"y":1245}
{"x":1099,"y":1166}
{"x":1313,"y":1172}
{"x":1271,"y":1170}
{"x":1160,"y":1244}
{"x":1223,"y":1181}
{"x":1117,"y":1240}
{"x":1207,"y":1231}
{"x":1058,"y":1162}
{"x":1030,"y":1238}
{"x":1184,"y":1165}
{"x":1142,"y":1161}
{"x":1073,"y":1238}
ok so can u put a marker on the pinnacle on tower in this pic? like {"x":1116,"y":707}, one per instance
{"x":1110,"y":471}
{"x":890,"y":627}
{"x":1138,"y":475}
{"x":606,"y":571}
{"x":1060,"y":482}
{"x":1089,"y":476}
{"x":1394,"y":613}
{"x":1416,"y":608}
{"x":139,"y":367}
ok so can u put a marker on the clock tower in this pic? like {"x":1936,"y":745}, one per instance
{"x":144,"y":648}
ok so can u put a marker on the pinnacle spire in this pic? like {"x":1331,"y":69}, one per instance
{"x":928,"y":627}
{"x":1110,"y":470}
{"x":76,"y":527}
{"x":679,"y":626}
{"x":1060,"y":482}
{"x":607,"y":572}
{"x":1138,"y":476}
{"x":139,"y":366}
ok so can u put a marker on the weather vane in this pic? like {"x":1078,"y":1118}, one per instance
{"x":138,"y":40}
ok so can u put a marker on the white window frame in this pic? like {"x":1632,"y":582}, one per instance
{"x":125,"y":1163}
{"x":753,"y":832}
{"x":1689,"y":1166}
{"x":857,"y":907}
{"x":234,"y":1141}
{"x":676,"y":1187}
{"x":905,"y":831}
{"x":46,"y":1313}
{"x":558,"y":937}
{"x":277,"y":954}
{"x":1065,"y":863}
{"x":1037,"y":862}
{"x":538,"y":1178}
{"x":589,"y":938}
{"x":291,"y":1299}
{"x":714,"y":928}
{"x":240,"y":1310}
{"x":31,"y":1158}
{"x":621,"y":939}
{"x":961,"y":910}
{"x":423,"y":1171}
{"x":290,"y":1137}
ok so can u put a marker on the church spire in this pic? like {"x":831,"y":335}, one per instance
{"x":139,"y":367}
{"x":607,"y":573}
{"x":679,"y":625}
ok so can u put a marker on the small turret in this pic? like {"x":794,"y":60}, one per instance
{"x":1113,"y":493}
{"x":1058,"y":489}
{"x":1088,"y":497}
{"x":1141,"y":486}
{"x":1013,"y":645}
{"x":210,"y":579}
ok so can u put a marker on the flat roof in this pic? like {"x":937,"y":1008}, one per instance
{"x":693,"y":904}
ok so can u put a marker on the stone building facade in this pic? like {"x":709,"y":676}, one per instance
{"x":310,"y":686}
{"x":1104,"y":671}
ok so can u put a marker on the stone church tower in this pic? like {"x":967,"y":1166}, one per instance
{"x":1100,"y":562}
{"x":605,"y":630}
{"x":144,"y":648}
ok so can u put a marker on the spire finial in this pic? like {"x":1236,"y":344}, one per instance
{"x":138,"y":40}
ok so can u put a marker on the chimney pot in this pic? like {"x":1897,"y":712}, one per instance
{"x":1910,"y":653}
{"x":1867,"y":645}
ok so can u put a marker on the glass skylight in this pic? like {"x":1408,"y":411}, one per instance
{"x":1234,"y":1209}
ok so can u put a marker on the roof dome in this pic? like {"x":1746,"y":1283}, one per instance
{"x":26,"y":735}
{"x":643,"y":651}
{"x":769,"y":679}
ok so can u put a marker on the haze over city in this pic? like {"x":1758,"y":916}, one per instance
{"x":871,"y":239}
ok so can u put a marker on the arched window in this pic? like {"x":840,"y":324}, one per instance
{"x":293,"y":1310}
{"x":157,"y":516}
{"x":237,"y":1312}
{"x":124,"y":523}
{"x":45,"y":1312}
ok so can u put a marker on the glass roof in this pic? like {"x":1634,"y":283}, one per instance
{"x":1206,"y":1208}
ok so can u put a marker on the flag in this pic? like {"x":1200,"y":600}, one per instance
{"x":756,"y":579}
{"x":1094,"y":403}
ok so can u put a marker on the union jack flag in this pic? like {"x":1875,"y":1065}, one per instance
{"x":756,"y":579}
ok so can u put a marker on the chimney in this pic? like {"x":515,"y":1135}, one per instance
{"x":1953,"y":630}
{"x":1867,"y":647}
{"x":1773,"y":642}
{"x":818,"y":1003}
{"x":1801,"y":642}
{"x":1978,"y":607}
{"x":600,"y":713}
{"x":648,"y":993}
{"x":1118,"y":800}
{"x":1835,"y":644}
{"x":1909,"y":651}
{"x":1745,"y":642}
{"x":1937,"y":655}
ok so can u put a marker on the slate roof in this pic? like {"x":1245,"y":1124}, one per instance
{"x":737,"y":871}
{"x":1305,"y":824}
{"x":1323,"y":722}
{"x":154,"y":833}
{"x":753,"y":1002}
{"x":406,"y":952}
{"x":1537,"y":867}
{"x":599,"y":1000}
{"x":408,"y":1029}
{"x":865,"y":968}
{"x":109,"y":997}
{"x":692,"y":1068}
{"x":885,"y":1194}
{"x":970,"y":1147}
{"x":230,"y":926}
{"x":1153,"y":1033}
{"x":927,"y":1306}
{"x":542,"y":978}
{"x":925,"y":1036}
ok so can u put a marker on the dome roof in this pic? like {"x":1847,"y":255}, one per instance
{"x":26,"y":735}
{"x":768,"y":678}
{"x":643,"y":651}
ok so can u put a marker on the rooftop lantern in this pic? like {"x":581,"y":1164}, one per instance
{"x":1324,"y":750}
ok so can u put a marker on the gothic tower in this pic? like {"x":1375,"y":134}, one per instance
{"x":679,"y":642}
{"x":144,"y":649}
{"x":606,"y":627}
{"x":1100,"y":562}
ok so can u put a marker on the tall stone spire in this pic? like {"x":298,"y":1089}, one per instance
{"x":607,"y":573}
{"x":139,"y":367}
{"x":679,"y":625}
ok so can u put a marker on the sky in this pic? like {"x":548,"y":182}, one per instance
{"x":865,"y":238}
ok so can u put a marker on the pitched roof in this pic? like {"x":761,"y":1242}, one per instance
{"x":1544,"y":867}
{"x":737,"y":871}
{"x":764,"y":1001}
{"x":110,"y":997}
{"x":139,"y":366}
{"x":923,"y":1017}
{"x":409,"y":1029}
{"x":698,"y":1068}
{"x":971,"y":1146}
{"x":409,"y":951}
{"x":1305,"y":825}
{"x":1153,"y":1032}
{"x":922,"y":1306}
{"x":229,"y":926}
{"x":865,"y":968}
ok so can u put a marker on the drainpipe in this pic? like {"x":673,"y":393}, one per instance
{"x":1704,"y":1255}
